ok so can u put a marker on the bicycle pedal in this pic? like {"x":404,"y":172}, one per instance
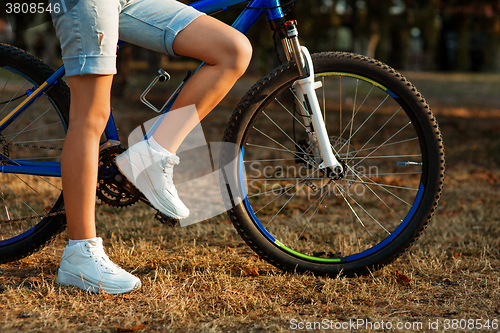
{"x":164,"y":219}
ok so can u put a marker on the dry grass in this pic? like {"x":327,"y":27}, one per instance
{"x":203,"y":278}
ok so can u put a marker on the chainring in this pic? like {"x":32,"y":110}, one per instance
{"x":113,"y":188}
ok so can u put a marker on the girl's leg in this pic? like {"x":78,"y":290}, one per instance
{"x":85,"y":264}
{"x":88,"y":35}
{"x":226,"y":53}
{"x":149,"y":163}
{"x":89,"y":112}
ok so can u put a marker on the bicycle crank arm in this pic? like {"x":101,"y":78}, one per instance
{"x":310,"y":105}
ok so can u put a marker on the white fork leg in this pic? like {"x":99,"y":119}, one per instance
{"x":309,"y":100}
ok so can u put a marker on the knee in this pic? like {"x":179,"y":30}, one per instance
{"x":97,"y":124}
{"x":243,"y":54}
{"x":89,"y":124}
{"x":238,"y":54}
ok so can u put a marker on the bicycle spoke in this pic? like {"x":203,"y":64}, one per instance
{"x":378,"y":131}
{"x":282,"y":131}
{"x":340,"y":108}
{"x":367,"y":213}
{"x":5,"y":85}
{"x":357,"y":110}
{"x":387,"y":145}
{"x":31,"y":141}
{"x":267,"y":147}
{"x":398,"y":173}
{"x":292,"y":178}
{"x":352,"y":119}
{"x":283,"y":206}
{"x":349,"y":123}
{"x":309,"y":221}
{"x":383,"y":187}
{"x":382,"y":156}
{"x":24,"y":202}
{"x":286,"y":109}
{"x":378,"y":197}
{"x":12,"y":98}
{"x":270,"y":160}
{"x":303,"y":180}
{"x":366,"y":120}
{"x":33,"y":129}
{"x":352,"y":209}
{"x":41,"y":196}
{"x":324,"y":100}
{"x":279,"y":144}
{"x":22,"y":131}
{"x":305,"y":128}
{"x":7,"y":205}
{"x":402,"y":128}
{"x":298,"y":219}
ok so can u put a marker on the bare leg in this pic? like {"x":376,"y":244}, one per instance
{"x":89,"y":112}
{"x":226,"y":53}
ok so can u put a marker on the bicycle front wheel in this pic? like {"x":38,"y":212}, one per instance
{"x":294,"y":214}
{"x":31,"y":211}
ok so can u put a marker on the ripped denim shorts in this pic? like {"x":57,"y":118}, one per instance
{"x":89,"y":30}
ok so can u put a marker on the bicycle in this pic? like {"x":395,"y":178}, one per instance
{"x":317,"y":188}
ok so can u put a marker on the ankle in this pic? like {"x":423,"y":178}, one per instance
{"x":77,"y":241}
{"x":156,"y":146}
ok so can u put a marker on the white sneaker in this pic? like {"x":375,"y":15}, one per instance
{"x":86,"y":266}
{"x":152,"y":173}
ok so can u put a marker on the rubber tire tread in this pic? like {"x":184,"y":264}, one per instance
{"x":257,"y":97}
{"x":47,"y":229}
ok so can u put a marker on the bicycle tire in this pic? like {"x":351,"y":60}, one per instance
{"x":293,"y":249}
{"x":37,"y":134}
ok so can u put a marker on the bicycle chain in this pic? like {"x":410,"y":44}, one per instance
{"x":29,"y":146}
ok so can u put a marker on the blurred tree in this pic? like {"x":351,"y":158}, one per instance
{"x":470,"y":34}
{"x":407,"y":34}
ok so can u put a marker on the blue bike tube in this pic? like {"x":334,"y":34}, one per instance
{"x":32,"y":96}
{"x":212,"y":6}
{"x":250,"y":14}
{"x":110,"y":131}
{"x":48,"y":169}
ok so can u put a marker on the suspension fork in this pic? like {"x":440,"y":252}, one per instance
{"x":304,"y":89}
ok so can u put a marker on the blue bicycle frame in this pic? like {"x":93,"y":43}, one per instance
{"x":253,"y":11}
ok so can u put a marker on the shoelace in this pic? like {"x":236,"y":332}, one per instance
{"x":97,"y":252}
{"x":168,"y":170}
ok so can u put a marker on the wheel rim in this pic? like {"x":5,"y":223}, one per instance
{"x":36,"y":135}
{"x":312,"y":217}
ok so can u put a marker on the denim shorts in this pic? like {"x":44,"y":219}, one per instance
{"x":89,"y":30}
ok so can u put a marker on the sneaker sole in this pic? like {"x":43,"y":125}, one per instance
{"x":125,"y":168}
{"x":69,"y":279}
